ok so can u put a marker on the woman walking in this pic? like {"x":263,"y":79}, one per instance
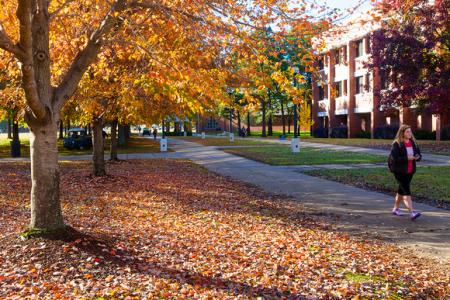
{"x":402,"y":162}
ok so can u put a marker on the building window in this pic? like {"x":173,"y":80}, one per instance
{"x":359,"y":84}
{"x":338,"y":87}
{"x":212,"y":124}
{"x":337,"y":57}
{"x":321,"y":93}
{"x":359,"y":48}
{"x":321,"y":64}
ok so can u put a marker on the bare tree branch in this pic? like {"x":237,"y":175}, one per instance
{"x":26,"y":45}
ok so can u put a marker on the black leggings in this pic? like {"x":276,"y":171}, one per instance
{"x":404,"y":183}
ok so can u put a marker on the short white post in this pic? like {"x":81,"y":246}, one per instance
{"x":163,"y":145}
{"x":203,"y":135}
{"x":185,"y":133}
{"x":295,"y":145}
{"x":231,"y":137}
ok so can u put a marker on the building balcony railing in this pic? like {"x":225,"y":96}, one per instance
{"x":340,"y":72}
{"x":363,"y":103}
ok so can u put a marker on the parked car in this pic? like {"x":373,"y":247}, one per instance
{"x":78,"y":139}
{"x":146,"y":131}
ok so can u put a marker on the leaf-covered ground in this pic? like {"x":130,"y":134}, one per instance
{"x":170,"y":229}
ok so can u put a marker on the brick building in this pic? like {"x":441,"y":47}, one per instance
{"x":343,"y":91}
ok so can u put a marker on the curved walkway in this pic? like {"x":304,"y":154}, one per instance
{"x":355,"y":209}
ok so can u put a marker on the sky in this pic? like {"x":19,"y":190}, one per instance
{"x":343,"y":4}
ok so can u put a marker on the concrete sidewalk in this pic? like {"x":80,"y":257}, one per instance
{"x":356,"y":209}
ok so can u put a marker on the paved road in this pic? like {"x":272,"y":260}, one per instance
{"x":357,"y":209}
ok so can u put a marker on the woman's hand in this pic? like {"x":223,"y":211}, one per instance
{"x":411,"y":157}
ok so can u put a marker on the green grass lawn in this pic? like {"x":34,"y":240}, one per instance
{"x":428,"y":182}
{"x":222,"y":141}
{"x":282,"y":155}
{"x":134,"y":145}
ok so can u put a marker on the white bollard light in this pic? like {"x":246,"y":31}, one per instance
{"x":295,"y":145}
{"x":163,"y":145}
{"x":185,"y":133}
{"x":203,"y":135}
{"x":231,"y":137}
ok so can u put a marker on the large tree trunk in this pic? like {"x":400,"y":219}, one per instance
{"x":15,"y":143}
{"x":15,"y":131}
{"x":289,"y":120}
{"x":263,"y":133}
{"x":61,"y":130}
{"x":113,"y":149}
{"x":248,"y":124}
{"x":9,"y":128}
{"x":122,"y":140}
{"x":239,"y":119}
{"x":270,"y":122}
{"x":127,"y":132}
{"x":98,"y":157}
{"x":231,"y":120}
{"x":45,"y":204}
{"x":283,"y":118}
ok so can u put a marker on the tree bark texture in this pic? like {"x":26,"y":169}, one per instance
{"x":269,"y":122}
{"x":15,"y":131}
{"x":248,"y":124}
{"x":113,"y":149}
{"x":263,"y":133}
{"x":122,"y":141}
{"x":45,"y":204}
{"x":61,"y":130}
{"x":283,"y":117}
{"x":9,"y":128}
{"x":98,"y":153}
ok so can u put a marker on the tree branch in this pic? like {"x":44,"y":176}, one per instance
{"x":8,"y":45}
{"x":60,"y":8}
{"x":85,"y":57}
{"x":26,"y":45}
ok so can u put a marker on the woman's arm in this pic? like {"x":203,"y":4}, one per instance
{"x":395,"y":151}
{"x":418,"y":153}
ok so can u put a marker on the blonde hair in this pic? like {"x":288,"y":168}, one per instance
{"x":400,"y":136}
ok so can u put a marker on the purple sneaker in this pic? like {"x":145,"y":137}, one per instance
{"x":396,"y":212}
{"x":415,"y":215}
